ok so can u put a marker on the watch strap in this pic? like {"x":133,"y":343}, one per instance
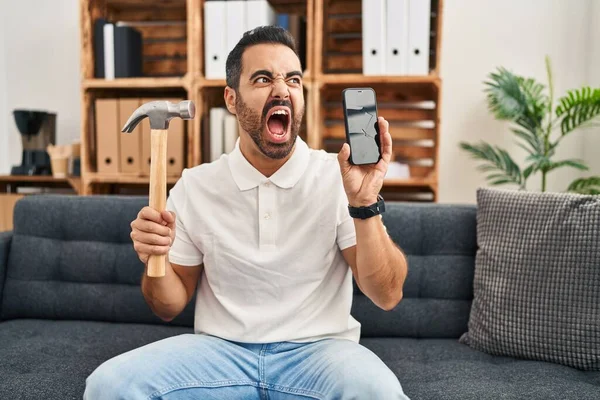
{"x":365,"y":212}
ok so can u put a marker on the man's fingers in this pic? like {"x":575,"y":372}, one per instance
{"x":150,"y":249}
{"x":150,"y":238}
{"x":168,"y":216}
{"x":386,"y":147}
{"x":150,"y":214}
{"x":152,"y":227}
{"x":343,"y":157}
{"x":386,"y":139}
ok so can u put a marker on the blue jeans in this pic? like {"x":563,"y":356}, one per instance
{"x":193,"y":366}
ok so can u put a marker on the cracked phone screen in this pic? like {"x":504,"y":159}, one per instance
{"x":361,"y":112}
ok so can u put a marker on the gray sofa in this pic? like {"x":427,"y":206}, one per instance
{"x":70,"y":299}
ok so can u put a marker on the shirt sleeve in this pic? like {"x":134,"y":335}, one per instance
{"x":183,"y":250}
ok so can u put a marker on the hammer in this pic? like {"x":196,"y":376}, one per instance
{"x":160,"y":114}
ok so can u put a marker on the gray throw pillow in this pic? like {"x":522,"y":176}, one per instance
{"x":537,"y":277}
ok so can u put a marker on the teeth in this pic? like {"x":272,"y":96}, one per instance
{"x":282,"y":112}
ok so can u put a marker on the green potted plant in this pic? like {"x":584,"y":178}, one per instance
{"x":538,"y":127}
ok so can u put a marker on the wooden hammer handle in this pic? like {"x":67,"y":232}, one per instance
{"x":158,"y":190}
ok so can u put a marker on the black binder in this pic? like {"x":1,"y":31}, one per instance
{"x":127,"y":49}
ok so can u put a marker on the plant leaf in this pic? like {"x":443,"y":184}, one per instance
{"x":590,"y":185}
{"x":579,"y":164}
{"x":511,"y":97}
{"x":499,"y":164}
{"x":540,"y":162}
{"x":528,"y":171}
{"x":578,"y":107}
{"x":535,"y":143}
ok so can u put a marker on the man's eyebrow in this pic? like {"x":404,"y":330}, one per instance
{"x":294,"y":73}
{"x":270,"y":75}
{"x":261,"y":72}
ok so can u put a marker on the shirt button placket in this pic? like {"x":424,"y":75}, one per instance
{"x":266,"y":209}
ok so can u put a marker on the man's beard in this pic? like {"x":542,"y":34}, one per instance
{"x":254,"y":124}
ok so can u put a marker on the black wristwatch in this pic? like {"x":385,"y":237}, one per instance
{"x":368,"y":211}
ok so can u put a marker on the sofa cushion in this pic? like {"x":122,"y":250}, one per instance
{"x":72,"y":258}
{"x":444,"y":369}
{"x":537,"y":277}
{"x":51,"y":360}
{"x":440,"y":243}
{"x":44,"y":359}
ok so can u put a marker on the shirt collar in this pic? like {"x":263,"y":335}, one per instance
{"x":247,"y":177}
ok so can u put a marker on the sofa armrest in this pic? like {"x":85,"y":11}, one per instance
{"x":5,"y":240}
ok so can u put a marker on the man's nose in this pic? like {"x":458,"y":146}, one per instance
{"x":280,"y":89}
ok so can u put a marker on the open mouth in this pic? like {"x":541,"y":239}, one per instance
{"x":278,"y":123}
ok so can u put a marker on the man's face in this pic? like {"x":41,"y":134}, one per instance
{"x":270,"y":99}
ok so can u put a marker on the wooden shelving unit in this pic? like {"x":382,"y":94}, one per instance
{"x":411,"y":104}
{"x":173,"y":40}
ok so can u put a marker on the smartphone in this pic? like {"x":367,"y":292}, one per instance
{"x":362,"y":129}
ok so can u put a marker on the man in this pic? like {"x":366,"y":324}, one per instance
{"x":267,"y":233}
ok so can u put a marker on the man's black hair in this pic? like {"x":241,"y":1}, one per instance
{"x":260,"y":35}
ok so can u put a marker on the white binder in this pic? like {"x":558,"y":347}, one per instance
{"x":396,"y":56}
{"x":374,"y":35}
{"x":109,"y":51}
{"x":259,"y":13}
{"x":215,"y":40}
{"x":419,"y":12}
{"x":217,"y":118}
{"x":236,"y":22}
{"x":230,"y":132}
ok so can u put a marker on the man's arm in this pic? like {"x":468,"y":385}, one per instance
{"x":378,"y":265}
{"x":167,"y":296}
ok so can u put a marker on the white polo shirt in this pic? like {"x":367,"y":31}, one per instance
{"x":271,"y":248}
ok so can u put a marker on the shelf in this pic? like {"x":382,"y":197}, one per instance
{"x":408,"y":182}
{"x":139,"y":3}
{"x":213,"y":83}
{"x":42,"y":180}
{"x":368,"y":80}
{"x":135,"y":83}
{"x":289,"y":6}
{"x":31,"y":179}
{"x":125,"y":179}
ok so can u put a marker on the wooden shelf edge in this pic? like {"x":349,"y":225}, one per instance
{"x":408,"y":182}
{"x":376,"y":79}
{"x":42,"y":180}
{"x":135,"y":83}
{"x":32,"y":178}
{"x":125,"y":179}
{"x":212,"y":82}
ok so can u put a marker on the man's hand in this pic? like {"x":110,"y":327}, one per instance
{"x":363,"y":183}
{"x":152,"y":232}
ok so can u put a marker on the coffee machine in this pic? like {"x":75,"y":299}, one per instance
{"x":38,"y":130}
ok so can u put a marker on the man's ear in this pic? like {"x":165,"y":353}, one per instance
{"x":230,"y":97}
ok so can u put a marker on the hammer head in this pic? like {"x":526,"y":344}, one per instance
{"x":160,"y":113}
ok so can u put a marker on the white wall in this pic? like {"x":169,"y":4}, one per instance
{"x":4,"y":165}
{"x":477,"y":37}
{"x":41,"y":70}
{"x":42,"y":66}
{"x":591,"y":151}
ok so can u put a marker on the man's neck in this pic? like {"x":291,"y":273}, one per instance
{"x":263,"y":164}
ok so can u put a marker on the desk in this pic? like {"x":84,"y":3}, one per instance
{"x":10,"y":193}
